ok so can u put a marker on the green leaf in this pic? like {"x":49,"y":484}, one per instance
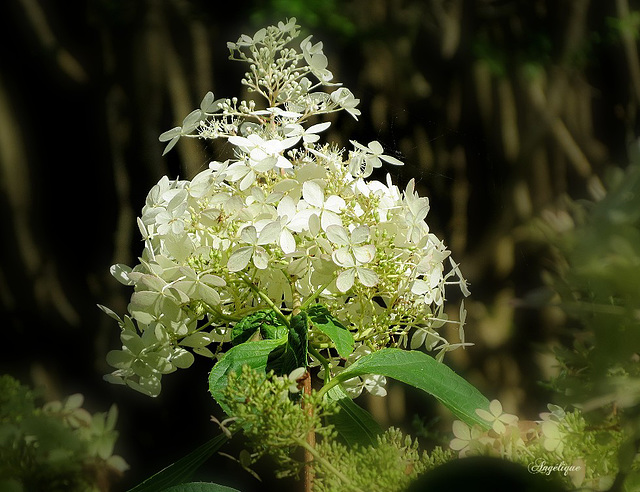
{"x":354,"y":424}
{"x":298,"y":339}
{"x":425,"y":373}
{"x":330,"y":326}
{"x":182,"y":469}
{"x":263,"y":324}
{"x":200,"y":487}
{"x":254,"y":354}
{"x":294,"y":353}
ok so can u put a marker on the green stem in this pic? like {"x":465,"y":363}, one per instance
{"x":330,"y":384}
{"x":314,"y":296}
{"x":219,"y":314}
{"x":266,"y":299}
{"x":325,"y":463}
{"x":323,"y":361}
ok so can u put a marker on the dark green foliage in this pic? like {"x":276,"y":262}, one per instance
{"x":322,"y":319}
{"x":262,"y":324}
{"x":183,"y":469}
{"x":599,"y":281}
{"x":293,"y":354}
{"x":37,"y":451}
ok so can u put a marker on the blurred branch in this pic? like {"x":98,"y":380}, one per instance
{"x":630,"y":49}
{"x":449,"y":21}
{"x":559,"y":130}
{"x":14,"y":167}
{"x":15,"y":180}
{"x":67,"y":63}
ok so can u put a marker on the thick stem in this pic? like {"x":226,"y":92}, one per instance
{"x":308,"y":409}
{"x":311,"y":438}
{"x":327,"y":464}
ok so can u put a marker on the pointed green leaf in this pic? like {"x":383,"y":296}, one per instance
{"x":254,"y":354}
{"x":354,"y":424}
{"x":294,"y":353}
{"x":423,"y":372}
{"x":182,"y":469}
{"x":330,"y":326}
{"x":298,"y":339}
{"x":265,"y":321}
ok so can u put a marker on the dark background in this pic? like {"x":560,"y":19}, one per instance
{"x":500,"y":109}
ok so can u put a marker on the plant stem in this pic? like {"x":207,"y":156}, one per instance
{"x":311,"y":439}
{"x":323,"y":361}
{"x":329,"y":384}
{"x":315,"y":295}
{"x":266,"y":299}
{"x":310,"y":443}
{"x":318,"y":457}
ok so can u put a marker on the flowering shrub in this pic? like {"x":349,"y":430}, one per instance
{"x":287,"y":261}
{"x":287,"y":223}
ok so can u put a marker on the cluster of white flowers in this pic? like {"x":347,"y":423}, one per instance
{"x":286,"y":220}
{"x":558,"y":442}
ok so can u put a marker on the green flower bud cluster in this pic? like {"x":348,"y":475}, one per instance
{"x":274,"y":417}
{"x":388,"y":466}
{"x":275,"y":424}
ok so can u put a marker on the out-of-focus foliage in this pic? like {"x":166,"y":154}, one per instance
{"x":597,"y":280}
{"x":56,"y":447}
{"x":310,"y":14}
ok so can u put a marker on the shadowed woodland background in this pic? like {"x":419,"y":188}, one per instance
{"x":500,"y":110}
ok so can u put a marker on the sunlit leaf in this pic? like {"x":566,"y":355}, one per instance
{"x":254,"y":354}
{"x":330,"y":326}
{"x":425,"y":373}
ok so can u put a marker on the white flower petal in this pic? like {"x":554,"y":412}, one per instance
{"x":364,"y":254}
{"x":260,"y":258}
{"x":249,"y":235}
{"x":360,"y":234}
{"x":240,"y":259}
{"x":461,"y":430}
{"x":338,"y":235}
{"x":343,"y":258}
{"x":328,"y":219}
{"x":270,"y":234}
{"x":335,"y":203}
{"x":287,"y":242}
{"x":367,"y":277}
{"x":375,"y":147}
{"x":345,"y":280}
{"x":313,"y":194}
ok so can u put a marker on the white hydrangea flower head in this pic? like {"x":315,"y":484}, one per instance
{"x":286,"y":218}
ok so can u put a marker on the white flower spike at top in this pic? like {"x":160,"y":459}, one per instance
{"x":287,"y":218}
